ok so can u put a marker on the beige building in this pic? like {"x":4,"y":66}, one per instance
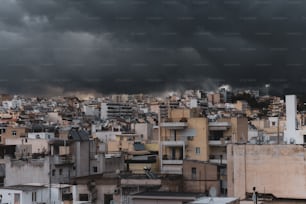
{"x":183,"y":136}
{"x":223,"y":132}
{"x":273,"y":169}
{"x":187,"y":136}
{"x":123,"y":142}
{"x":200,"y":177}
{"x":13,"y":132}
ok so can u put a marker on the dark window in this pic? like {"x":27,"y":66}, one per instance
{"x":60,"y":171}
{"x":304,"y":139}
{"x":193,"y":172}
{"x":53,"y":172}
{"x":95,"y":169}
{"x":34,"y":196}
{"x":83,"y":197}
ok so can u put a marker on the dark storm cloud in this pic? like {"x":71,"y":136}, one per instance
{"x":56,"y":46}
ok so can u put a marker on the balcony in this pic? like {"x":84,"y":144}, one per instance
{"x":174,"y":125}
{"x":172,"y":169}
{"x":219,"y":126}
{"x":173,"y":143}
{"x":63,"y":159}
{"x":173,"y":162}
{"x":218,"y":142}
{"x":217,"y":159}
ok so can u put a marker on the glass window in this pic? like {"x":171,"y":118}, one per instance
{"x":197,"y":150}
{"x":193,"y":172}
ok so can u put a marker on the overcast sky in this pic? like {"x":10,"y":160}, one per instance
{"x":117,"y":46}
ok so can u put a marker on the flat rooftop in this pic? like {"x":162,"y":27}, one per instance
{"x":215,"y":200}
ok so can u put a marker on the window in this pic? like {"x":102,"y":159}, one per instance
{"x":60,"y":171}
{"x":95,"y":169}
{"x":197,"y":150}
{"x":83,"y":197}
{"x":34,"y":196}
{"x":193,"y":172}
{"x":273,"y":123}
{"x":53,"y":172}
{"x":14,"y":133}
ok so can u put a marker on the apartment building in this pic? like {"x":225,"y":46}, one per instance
{"x":183,"y":136}
{"x":115,"y":110}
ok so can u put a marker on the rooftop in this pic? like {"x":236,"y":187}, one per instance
{"x":216,"y":200}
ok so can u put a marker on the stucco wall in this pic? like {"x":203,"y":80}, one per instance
{"x":276,"y":169}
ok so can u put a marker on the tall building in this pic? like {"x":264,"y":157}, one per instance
{"x":294,"y":133}
{"x":115,"y":110}
{"x":183,"y":136}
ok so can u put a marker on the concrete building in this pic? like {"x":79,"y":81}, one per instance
{"x":13,"y":132}
{"x":115,"y":110}
{"x":183,"y":136}
{"x":36,"y":193}
{"x":161,"y":109}
{"x":223,"y":132}
{"x":145,"y":130}
{"x":275,"y":170}
{"x":200,"y":177}
{"x":267,"y":130}
{"x":163,"y":198}
{"x":216,"y":200}
{"x":295,"y":132}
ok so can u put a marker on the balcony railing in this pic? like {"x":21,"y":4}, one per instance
{"x":219,"y":125}
{"x":218,"y":142}
{"x":173,"y":162}
{"x":173,"y":143}
{"x":172,"y":170}
{"x":174,"y":125}
{"x":63,"y":159}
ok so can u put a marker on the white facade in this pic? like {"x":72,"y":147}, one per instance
{"x":34,"y":193}
{"x":291,"y":134}
{"x":193,"y":103}
{"x":40,"y":135}
{"x":54,"y":117}
{"x":105,"y":136}
{"x":115,"y":110}
{"x":90,"y":110}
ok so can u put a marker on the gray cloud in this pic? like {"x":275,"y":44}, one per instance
{"x":150,"y":45}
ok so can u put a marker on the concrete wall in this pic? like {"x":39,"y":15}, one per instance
{"x":144,"y":129}
{"x":200,"y":140}
{"x":38,"y":145}
{"x":276,"y":169}
{"x":21,"y":172}
{"x":20,"y":132}
{"x":151,"y":201}
{"x":205,"y":178}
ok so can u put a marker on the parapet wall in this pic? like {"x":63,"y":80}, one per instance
{"x":276,"y":169}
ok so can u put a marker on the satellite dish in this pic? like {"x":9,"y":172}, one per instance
{"x":212,"y":192}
